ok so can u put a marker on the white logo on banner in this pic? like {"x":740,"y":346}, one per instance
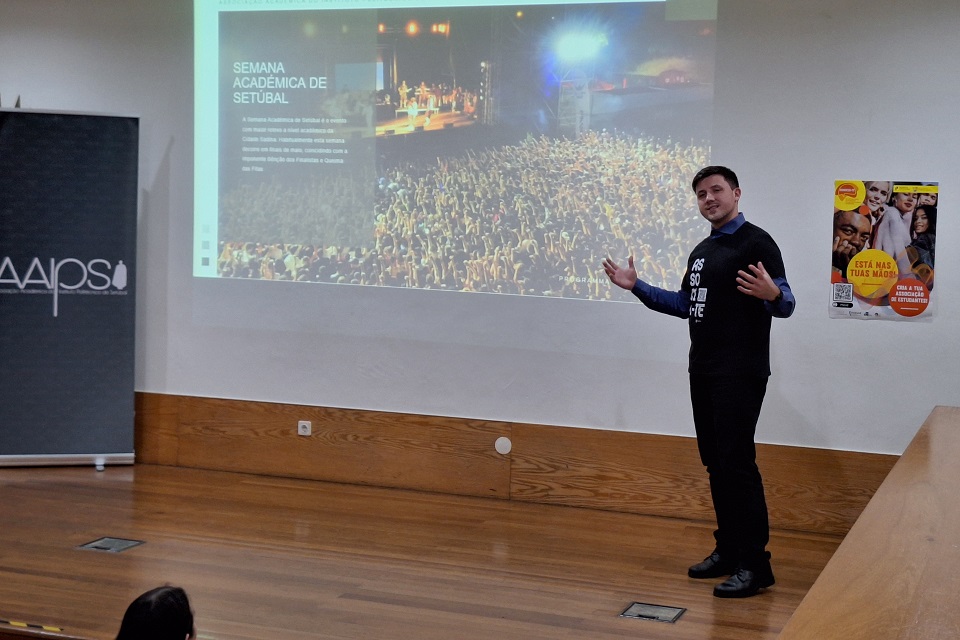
{"x":68,"y":276}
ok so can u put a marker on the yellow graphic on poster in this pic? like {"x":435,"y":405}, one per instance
{"x":848,"y":195}
{"x":884,"y":244}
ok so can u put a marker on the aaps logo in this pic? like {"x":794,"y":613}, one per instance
{"x":68,"y":276}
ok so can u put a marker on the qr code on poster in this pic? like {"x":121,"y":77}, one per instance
{"x":842,"y":292}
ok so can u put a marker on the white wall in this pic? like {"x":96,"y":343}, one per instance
{"x":820,"y":90}
{"x":806,"y":93}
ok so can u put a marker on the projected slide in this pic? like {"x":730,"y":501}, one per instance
{"x":500,"y":149}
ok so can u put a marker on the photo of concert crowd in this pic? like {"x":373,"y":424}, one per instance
{"x":514,"y":149}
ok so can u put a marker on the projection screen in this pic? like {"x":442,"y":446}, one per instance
{"x":466,"y":148}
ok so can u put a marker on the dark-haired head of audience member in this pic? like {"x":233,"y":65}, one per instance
{"x":159,"y":614}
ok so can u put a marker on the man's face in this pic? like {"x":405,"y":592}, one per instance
{"x":718,"y":202}
{"x":853,"y":228}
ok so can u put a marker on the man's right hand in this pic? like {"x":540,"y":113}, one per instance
{"x":623,"y":277}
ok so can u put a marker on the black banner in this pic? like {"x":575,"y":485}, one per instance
{"x":68,"y":221}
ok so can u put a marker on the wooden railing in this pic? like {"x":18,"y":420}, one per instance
{"x":896,"y":575}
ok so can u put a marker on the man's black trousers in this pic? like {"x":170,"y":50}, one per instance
{"x":725,"y":413}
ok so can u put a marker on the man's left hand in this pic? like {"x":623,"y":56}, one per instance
{"x":757,"y":283}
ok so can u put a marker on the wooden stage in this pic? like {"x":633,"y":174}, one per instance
{"x":287,"y":558}
{"x":438,"y":120}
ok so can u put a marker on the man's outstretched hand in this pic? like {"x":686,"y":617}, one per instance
{"x":623,"y":277}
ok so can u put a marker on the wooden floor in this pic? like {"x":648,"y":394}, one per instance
{"x":290,"y":559}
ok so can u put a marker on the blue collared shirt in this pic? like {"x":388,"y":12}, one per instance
{"x":677,"y":303}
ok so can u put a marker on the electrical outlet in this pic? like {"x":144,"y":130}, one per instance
{"x":304,"y":428}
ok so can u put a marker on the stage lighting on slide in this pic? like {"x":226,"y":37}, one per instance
{"x":578,"y":46}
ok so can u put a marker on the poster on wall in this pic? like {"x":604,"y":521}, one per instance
{"x":884,"y":243}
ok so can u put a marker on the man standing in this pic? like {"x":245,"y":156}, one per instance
{"x":734,"y":284}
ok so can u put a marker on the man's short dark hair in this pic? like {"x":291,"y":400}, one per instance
{"x":716,"y":170}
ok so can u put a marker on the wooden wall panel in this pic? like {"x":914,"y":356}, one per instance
{"x":633,"y":472}
{"x":156,"y":429}
{"x":814,"y":490}
{"x":360,"y":447}
{"x":819,"y":490}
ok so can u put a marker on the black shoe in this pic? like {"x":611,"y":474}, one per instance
{"x":713,"y":566}
{"x":744,"y":583}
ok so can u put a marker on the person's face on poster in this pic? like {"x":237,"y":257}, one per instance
{"x":905,"y":202}
{"x":853,"y":230}
{"x":921,"y":224}
{"x":877,"y":194}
